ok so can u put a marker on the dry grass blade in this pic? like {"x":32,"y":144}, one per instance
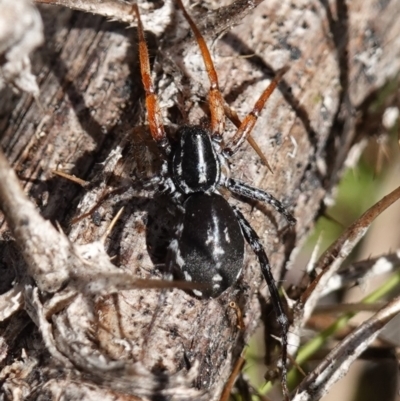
{"x":337,"y":362}
{"x":115,"y":10}
{"x":43,"y":247}
{"x":232,"y":378}
{"x":109,"y":8}
{"x":360,"y":272}
{"x":333,"y":257}
{"x":72,"y":178}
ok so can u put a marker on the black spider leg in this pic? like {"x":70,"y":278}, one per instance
{"x":162,"y":295}
{"x":167,"y":275}
{"x":254,"y":241}
{"x":240,"y":188}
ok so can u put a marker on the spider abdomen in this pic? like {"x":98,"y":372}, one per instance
{"x":210,"y":245}
{"x":195,"y":164}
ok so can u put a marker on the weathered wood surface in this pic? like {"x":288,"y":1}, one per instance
{"x":340,"y":56}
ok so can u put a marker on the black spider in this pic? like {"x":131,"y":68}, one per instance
{"x":209,"y":243}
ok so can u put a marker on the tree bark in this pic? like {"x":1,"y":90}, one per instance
{"x":91,"y":111}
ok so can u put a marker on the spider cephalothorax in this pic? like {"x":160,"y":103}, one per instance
{"x":195,"y":166}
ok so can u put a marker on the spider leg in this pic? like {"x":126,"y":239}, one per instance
{"x":242,"y":189}
{"x":254,"y":241}
{"x":214,"y":95}
{"x":233,"y":116}
{"x":250,"y":120}
{"x":153,"y":108}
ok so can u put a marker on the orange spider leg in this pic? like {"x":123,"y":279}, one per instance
{"x":214,"y":95}
{"x":250,"y":120}
{"x":153,"y":108}
{"x":232,"y":115}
